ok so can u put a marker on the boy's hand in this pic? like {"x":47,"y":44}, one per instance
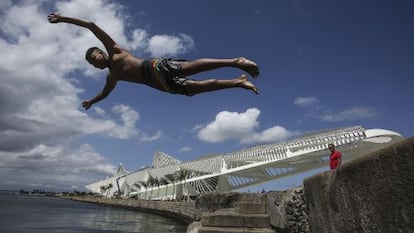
{"x":86,"y":104}
{"x":54,"y":18}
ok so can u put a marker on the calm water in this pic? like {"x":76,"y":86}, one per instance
{"x":30,"y":214}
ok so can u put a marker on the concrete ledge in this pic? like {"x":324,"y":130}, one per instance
{"x":234,"y":230}
{"x":373,"y":193}
{"x":231,"y":218}
{"x":215,"y":201}
{"x":252,"y":207}
{"x":288,"y":211}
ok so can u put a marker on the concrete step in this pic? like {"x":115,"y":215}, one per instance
{"x":252,"y":207}
{"x":231,"y":218}
{"x":234,"y":230}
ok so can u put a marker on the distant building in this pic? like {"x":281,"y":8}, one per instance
{"x":171,"y":179}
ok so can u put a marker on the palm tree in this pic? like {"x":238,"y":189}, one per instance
{"x":108,"y":188}
{"x":138,"y":186}
{"x":182,"y":175}
{"x":144,"y":184}
{"x":151,"y":182}
{"x":163,"y":181}
{"x":105,"y":188}
{"x":102,"y":189}
{"x":157,"y":183}
{"x":171,"y":178}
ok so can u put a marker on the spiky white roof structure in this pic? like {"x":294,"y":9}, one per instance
{"x":172,"y":179}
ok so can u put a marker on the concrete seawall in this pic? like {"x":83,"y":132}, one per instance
{"x":374,"y":193}
{"x":182,"y":211}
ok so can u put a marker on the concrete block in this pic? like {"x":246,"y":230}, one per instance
{"x":373,"y":193}
{"x":252,"y":207}
{"x":234,"y":230}
{"x":231,"y":218}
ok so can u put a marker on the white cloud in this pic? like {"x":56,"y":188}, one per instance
{"x":185,"y":149}
{"x":315,"y":110}
{"x":305,"y":101}
{"x":129,"y":117}
{"x":99,"y":111}
{"x":42,"y":166}
{"x":273,"y":134}
{"x":4,"y":4}
{"x":144,"y":137}
{"x":241,"y":126}
{"x":165,"y":45}
{"x":355,"y":113}
{"x":230,"y":125}
{"x":139,"y":39}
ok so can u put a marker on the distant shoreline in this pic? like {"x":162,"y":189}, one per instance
{"x":139,"y":205}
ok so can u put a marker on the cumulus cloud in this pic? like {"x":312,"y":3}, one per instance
{"x":144,"y":137}
{"x":273,"y":134}
{"x":41,"y":118}
{"x":185,"y":149}
{"x":42,"y":166}
{"x":355,"y":113}
{"x":315,"y":110}
{"x":165,"y":45}
{"x":128,"y":117}
{"x":241,"y":126}
{"x":306,"y":101}
{"x":160,"y":45}
{"x":139,"y":39}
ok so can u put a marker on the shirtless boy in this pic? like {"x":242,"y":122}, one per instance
{"x":168,"y":75}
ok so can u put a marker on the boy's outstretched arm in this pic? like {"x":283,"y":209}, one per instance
{"x":109,"y":86}
{"x":97,"y":31}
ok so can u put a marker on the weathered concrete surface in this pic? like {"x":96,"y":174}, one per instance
{"x":232,"y":218}
{"x":252,"y":208}
{"x":231,"y":213}
{"x":288,"y":210}
{"x":234,"y":230}
{"x":374,"y":193}
{"x":215,"y":201}
{"x":247,"y":217}
{"x":194,"y":227}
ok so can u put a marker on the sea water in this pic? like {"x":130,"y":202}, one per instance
{"x":34,"y":214}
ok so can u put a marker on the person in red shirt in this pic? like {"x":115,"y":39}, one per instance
{"x":335,"y":158}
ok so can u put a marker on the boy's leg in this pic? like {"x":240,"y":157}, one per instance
{"x":197,"y":87}
{"x":204,"y":64}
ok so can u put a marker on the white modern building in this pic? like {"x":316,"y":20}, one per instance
{"x":170,"y":179}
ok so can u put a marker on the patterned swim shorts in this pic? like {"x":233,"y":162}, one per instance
{"x":165,"y":75}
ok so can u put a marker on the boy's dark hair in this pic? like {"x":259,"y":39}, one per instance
{"x":89,"y":51}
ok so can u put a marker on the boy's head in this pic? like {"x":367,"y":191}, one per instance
{"x":97,"y":57}
{"x":331,"y":147}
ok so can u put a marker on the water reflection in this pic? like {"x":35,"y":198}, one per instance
{"x":129,"y":221}
{"x":27,"y":214}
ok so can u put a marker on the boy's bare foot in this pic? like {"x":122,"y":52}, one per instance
{"x":248,"y":66}
{"x":245,"y":83}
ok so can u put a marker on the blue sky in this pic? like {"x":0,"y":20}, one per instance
{"x":324,"y":64}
